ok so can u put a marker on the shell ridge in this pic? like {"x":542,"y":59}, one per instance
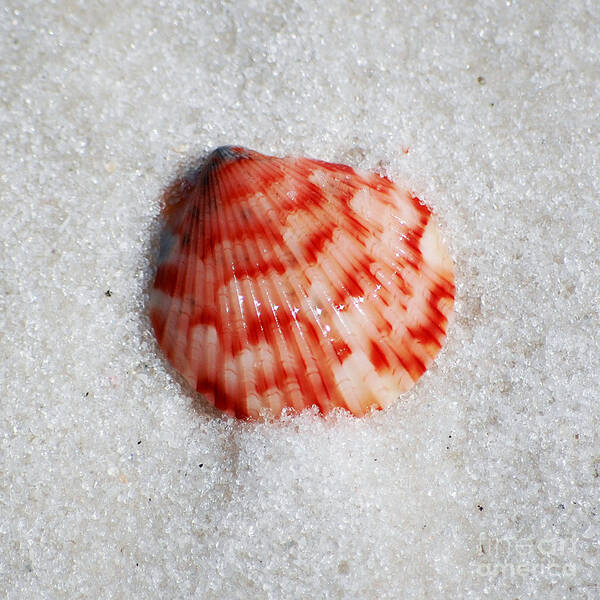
{"x":207,"y":367}
{"x":323,"y":362}
{"x":291,"y":335}
{"x":326,"y":354}
{"x":258,"y":334}
{"x":269,"y":170}
{"x":326,"y":346}
{"x":208,"y":364}
{"x":301,"y":326}
{"x":276,"y":243}
{"x":173,"y":289}
{"x":191,"y":300}
{"x":290,"y":329}
{"x":237,"y":297}
{"x":201,"y":300}
{"x":222,"y":396}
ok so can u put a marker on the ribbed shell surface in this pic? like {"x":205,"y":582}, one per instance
{"x":292,"y":282}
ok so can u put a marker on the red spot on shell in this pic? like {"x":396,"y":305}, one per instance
{"x":315,"y":242}
{"x":342,"y":350}
{"x":378,"y":357}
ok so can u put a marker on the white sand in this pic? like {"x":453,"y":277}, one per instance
{"x":483,"y":482}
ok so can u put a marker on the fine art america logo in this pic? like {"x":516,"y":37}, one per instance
{"x":525,"y":557}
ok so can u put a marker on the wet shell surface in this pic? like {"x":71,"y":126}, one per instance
{"x":293,"y":282}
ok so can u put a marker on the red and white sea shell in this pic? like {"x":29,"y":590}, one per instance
{"x":293,"y":282}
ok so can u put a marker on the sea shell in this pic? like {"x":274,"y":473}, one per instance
{"x":293,"y":282}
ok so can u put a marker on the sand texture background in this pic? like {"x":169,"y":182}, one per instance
{"x":482,"y":482}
